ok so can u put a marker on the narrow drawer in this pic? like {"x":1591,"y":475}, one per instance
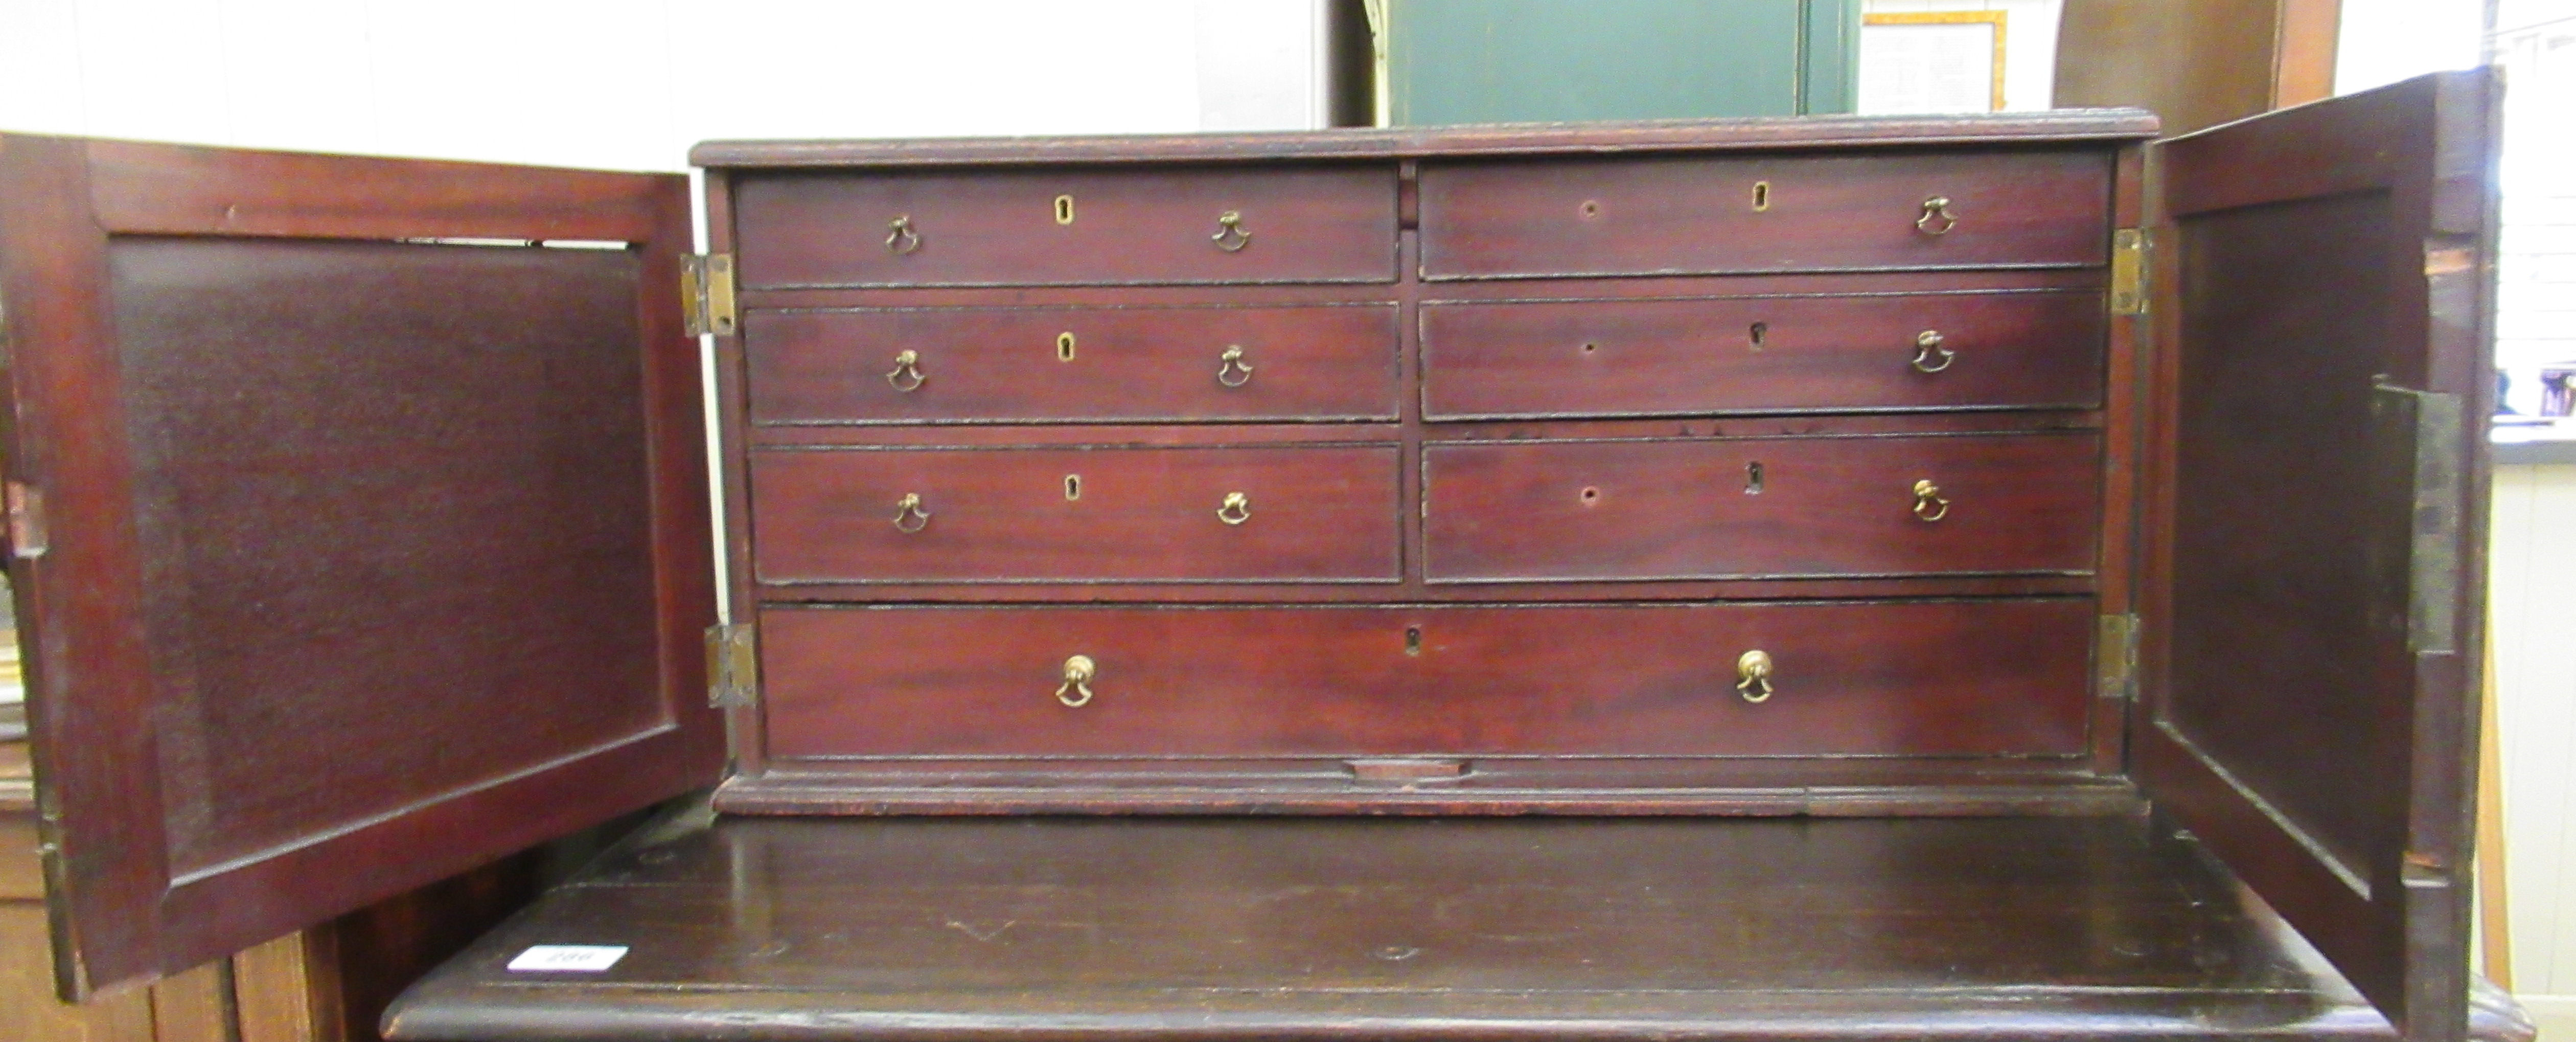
{"x":1046,"y":227}
{"x":1252,"y":514}
{"x":1960,"y":678}
{"x":1713,"y":508}
{"x":914,"y":365}
{"x":1529,"y":218}
{"x":1762,"y":354}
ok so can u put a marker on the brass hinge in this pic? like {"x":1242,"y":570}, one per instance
{"x":706,"y":293}
{"x":2115,"y":657}
{"x":733,"y":666}
{"x":2129,"y":271}
{"x":26,"y":505}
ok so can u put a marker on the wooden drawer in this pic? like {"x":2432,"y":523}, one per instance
{"x":1046,"y":227}
{"x":1692,"y":508}
{"x":1762,"y":354}
{"x":1959,"y":678}
{"x":1077,"y":514}
{"x":1319,"y":362}
{"x":1529,"y":218}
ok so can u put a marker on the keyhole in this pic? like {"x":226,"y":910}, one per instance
{"x":1413,"y":640}
{"x":1064,"y":209}
{"x":1073,"y":486}
{"x":1753,"y":478}
{"x":1589,"y":347}
{"x":1591,"y":209}
{"x":1064,"y":347}
{"x":1757,"y":333}
{"x":1590,"y":495}
{"x":1761,"y":196}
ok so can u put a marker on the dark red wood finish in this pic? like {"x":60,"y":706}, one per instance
{"x":1313,"y":513}
{"x":1685,"y":215}
{"x":1322,"y":223}
{"x":1707,"y":508}
{"x":1224,"y":929}
{"x":1864,"y":134}
{"x":2317,"y":535}
{"x":1724,"y":355}
{"x":361,"y":562}
{"x":1324,"y":361}
{"x":1943,"y":678}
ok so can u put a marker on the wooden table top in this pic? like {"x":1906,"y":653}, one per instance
{"x":1241,"y":928}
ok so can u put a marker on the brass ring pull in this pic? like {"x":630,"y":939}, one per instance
{"x":1928,"y":349}
{"x":1928,"y":504}
{"x":1937,"y":218}
{"x":908,"y":515}
{"x":1753,"y":673}
{"x":907,"y":376}
{"x":1075,"y":692}
{"x":1236,"y":509}
{"x":1230,"y":235}
{"x":1231,"y":369}
{"x":900,"y":238}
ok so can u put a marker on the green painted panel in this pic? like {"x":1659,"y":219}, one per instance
{"x":1485,"y":61}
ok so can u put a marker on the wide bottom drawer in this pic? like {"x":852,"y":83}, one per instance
{"x":1920,"y":678}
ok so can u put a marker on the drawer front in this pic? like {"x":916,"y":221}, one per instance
{"x":1776,"y":354}
{"x":1957,"y":678}
{"x":1308,"y":513}
{"x":1709,"y":216}
{"x":1710,"y":508}
{"x":1047,"y":227}
{"x":1083,"y":364}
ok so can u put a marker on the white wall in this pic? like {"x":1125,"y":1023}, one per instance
{"x":630,"y":84}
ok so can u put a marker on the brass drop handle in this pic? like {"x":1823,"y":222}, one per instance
{"x":908,"y":515}
{"x":1928,"y":504}
{"x":1230,"y":235}
{"x":1075,"y":692}
{"x":900,"y":238}
{"x":1236,"y":509}
{"x":1753,"y":673}
{"x":1937,"y":218}
{"x":1929,"y":355}
{"x":1231,"y":369}
{"x":907,"y":376}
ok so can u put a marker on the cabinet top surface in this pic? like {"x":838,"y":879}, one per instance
{"x":1696,"y":135}
{"x":958,"y":929}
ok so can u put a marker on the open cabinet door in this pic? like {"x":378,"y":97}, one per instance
{"x":2323,"y":291}
{"x":358,"y":520}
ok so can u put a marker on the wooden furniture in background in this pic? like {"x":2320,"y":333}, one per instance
{"x":2196,"y":63}
{"x":264,"y":994}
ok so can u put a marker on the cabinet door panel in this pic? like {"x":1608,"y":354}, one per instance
{"x":350,"y":556}
{"x":2318,"y":513}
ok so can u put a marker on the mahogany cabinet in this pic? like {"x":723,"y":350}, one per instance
{"x":2008,"y":471}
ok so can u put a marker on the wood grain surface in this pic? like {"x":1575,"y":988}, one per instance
{"x":1057,"y":929}
{"x":1944,"y":678}
{"x":1323,"y":361}
{"x":1672,"y":216}
{"x":1332,"y":223}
